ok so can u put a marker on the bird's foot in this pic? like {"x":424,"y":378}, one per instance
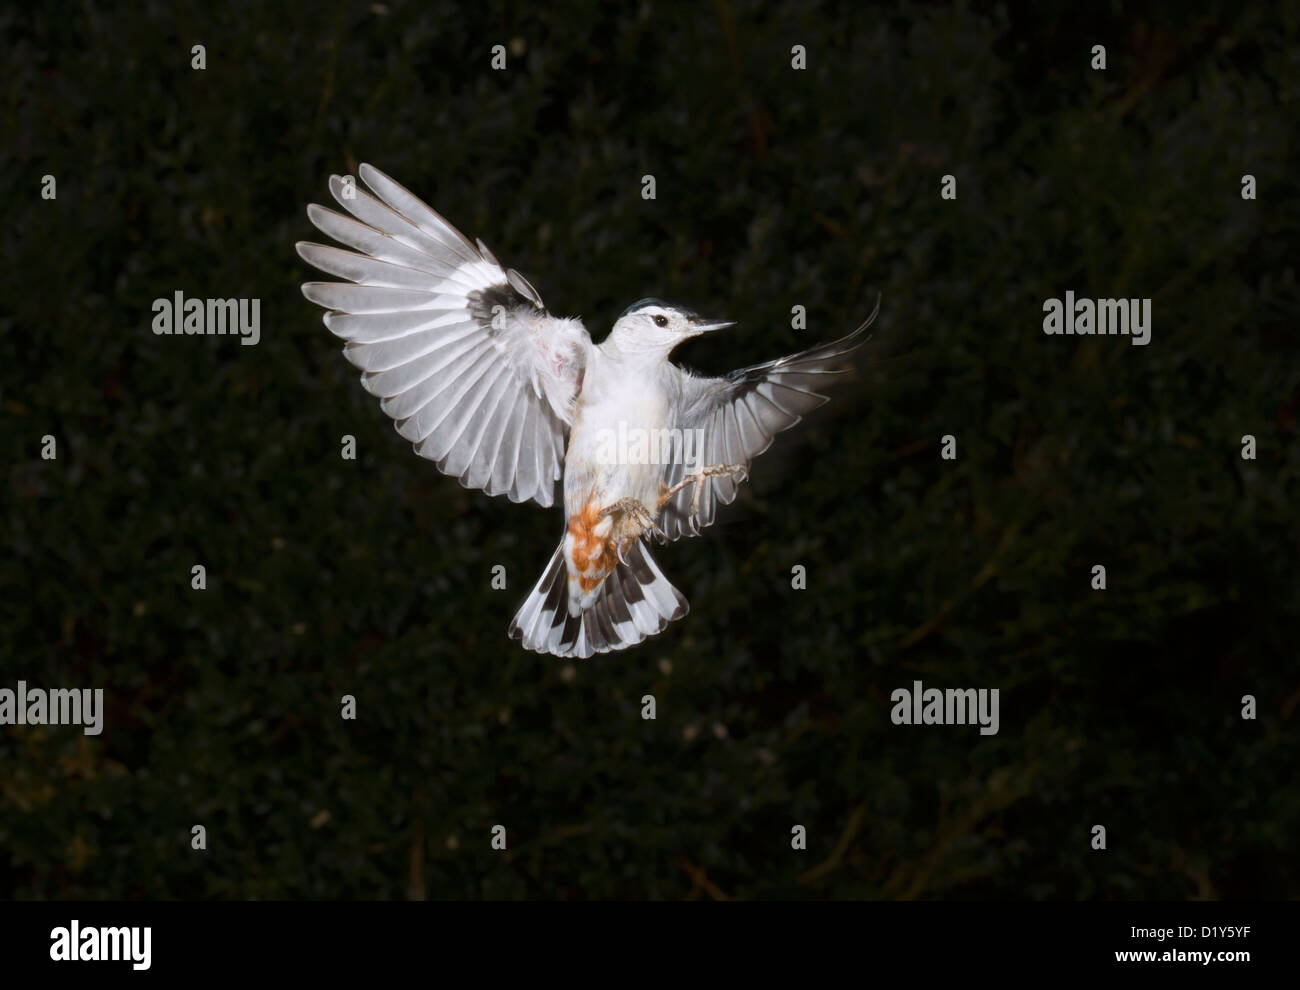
{"x":633,"y":511}
{"x":696,"y":478}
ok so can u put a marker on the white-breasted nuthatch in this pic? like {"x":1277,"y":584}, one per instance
{"x":507,"y":398}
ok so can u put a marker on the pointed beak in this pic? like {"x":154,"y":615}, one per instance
{"x":701,"y":325}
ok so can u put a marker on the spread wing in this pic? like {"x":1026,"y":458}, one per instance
{"x":460,"y":352}
{"x":741,"y":413}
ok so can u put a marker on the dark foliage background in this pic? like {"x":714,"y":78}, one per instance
{"x":775,"y":188}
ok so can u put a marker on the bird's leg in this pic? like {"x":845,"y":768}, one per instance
{"x":696,"y":478}
{"x":634,"y":510}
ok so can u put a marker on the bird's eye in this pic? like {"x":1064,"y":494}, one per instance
{"x":661,"y":321}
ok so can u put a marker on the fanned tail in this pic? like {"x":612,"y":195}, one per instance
{"x":635,"y":601}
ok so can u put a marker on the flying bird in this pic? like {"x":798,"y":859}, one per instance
{"x":464,"y":357}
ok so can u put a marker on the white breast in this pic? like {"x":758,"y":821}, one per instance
{"x":618,"y":426}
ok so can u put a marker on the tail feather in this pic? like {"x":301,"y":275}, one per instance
{"x":634,"y":602}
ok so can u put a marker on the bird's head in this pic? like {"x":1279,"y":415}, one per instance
{"x":653,"y":326}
